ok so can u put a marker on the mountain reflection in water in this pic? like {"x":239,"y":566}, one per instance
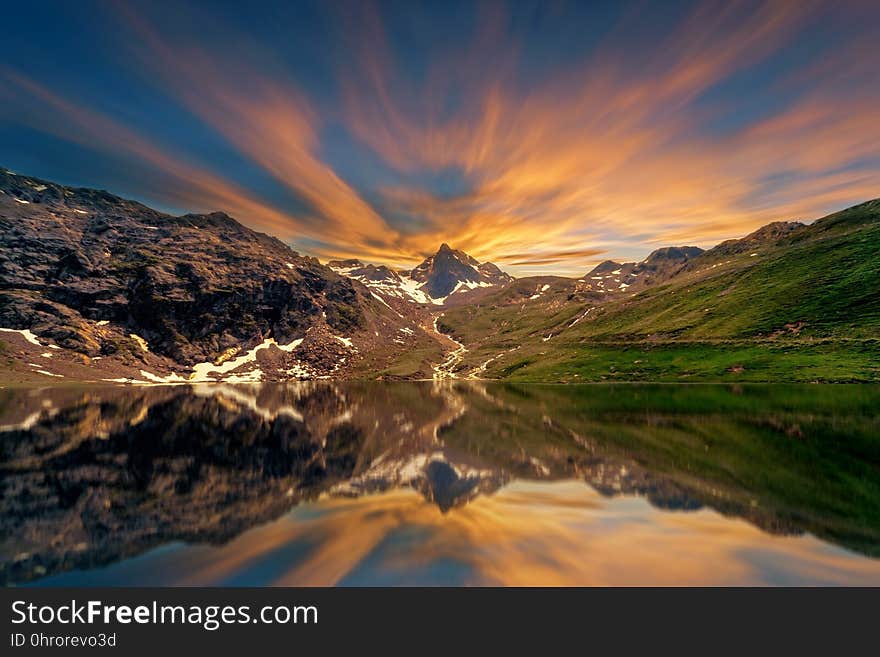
{"x":440,"y":483}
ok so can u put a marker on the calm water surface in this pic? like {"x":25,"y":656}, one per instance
{"x":448,"y":483}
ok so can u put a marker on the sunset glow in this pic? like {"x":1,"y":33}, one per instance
{"x":545,"y":137}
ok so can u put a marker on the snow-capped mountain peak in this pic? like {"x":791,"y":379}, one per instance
{"x":448,"y":276}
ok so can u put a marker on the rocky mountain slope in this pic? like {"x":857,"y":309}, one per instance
{"x":449,"y":277}
{"x":611,"y":277}
{"x":92,"y":281}
{"x":389,"y":285}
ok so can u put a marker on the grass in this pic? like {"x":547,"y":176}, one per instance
{"x":413,"y":363}
{"x":755,"y":362}
{"x":804,"y":309}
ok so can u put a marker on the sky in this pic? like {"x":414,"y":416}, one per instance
{"x":543,"y":136}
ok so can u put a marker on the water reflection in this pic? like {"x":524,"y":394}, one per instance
{"x":443,"y":483}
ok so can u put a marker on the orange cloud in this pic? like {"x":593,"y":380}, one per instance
{"x":600,"y":150}
{"x":268,"y":121}
{"x":611,"y":155}
{"x":189,"y":185}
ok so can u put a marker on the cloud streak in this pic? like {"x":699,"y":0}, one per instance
{"x":701,"y":128}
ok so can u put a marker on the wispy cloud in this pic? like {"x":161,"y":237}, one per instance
{"x":729,"y":116}
{"x":182,"y":183}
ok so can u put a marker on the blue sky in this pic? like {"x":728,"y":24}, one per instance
{"x":544,"y":136}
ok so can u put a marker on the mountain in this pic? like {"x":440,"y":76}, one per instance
{"x":96,"y":287}
{"x":383,"y":281}
{"x":789,"y":302}
{"x":448,"y":277}
{"x":93,"y":285}
{"x":611,"y":277}
{"x":449,"y":271}
{"x":771,"y":234}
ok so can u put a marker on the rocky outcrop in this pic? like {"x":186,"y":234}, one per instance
{"x":610,"y":277}
{"x":87,"y":271}
{"x":770,"y":235}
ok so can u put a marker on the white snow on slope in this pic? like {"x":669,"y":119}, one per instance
{"x":582,"y":316}
{"x":539,"y":291}
{"x":171,"y":378}
{"x":60,"y":376}
{"x":26,"y":334}
{"x":141,"y":342}
{"x":404,"y":287}
{"x":202,"y":370}
{"x":413,"y":289}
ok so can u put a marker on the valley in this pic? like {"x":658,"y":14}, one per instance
{"x":97,"y":288}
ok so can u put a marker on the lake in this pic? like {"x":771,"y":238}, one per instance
{"x":440,"y":483}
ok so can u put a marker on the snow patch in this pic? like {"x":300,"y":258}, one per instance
{"x":539,"y":291}
{"x":300,"y":371}
{"x":473,"y":285}
{"x":26,"y":334}
{"x":171,"y":378}
{"x":202,"y":370}
{"x":582,"y":316}
{"x":385,"y":303}
{"x":60,"y":376}
{"x":141,"y":342}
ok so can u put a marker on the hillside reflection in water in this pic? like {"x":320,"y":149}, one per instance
{"x":460,"y":483}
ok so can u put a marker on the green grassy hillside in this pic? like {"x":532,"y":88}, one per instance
{"x":803,"y":307}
